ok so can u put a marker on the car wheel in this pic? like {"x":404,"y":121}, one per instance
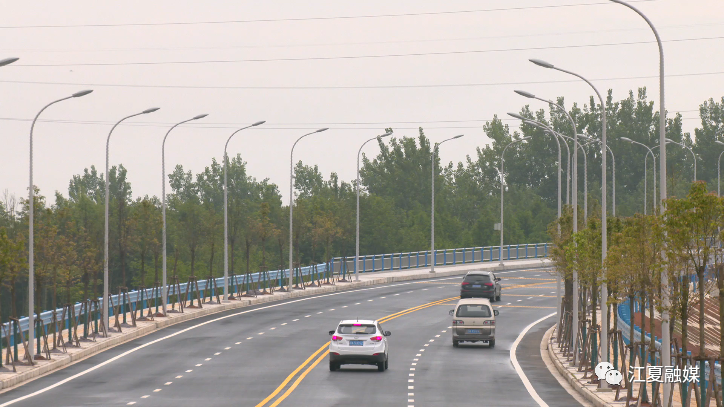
{"x":381,"y":366}
{"x":333,"y":366}
{"x":387,"y":363}
{"x":491,"y":343}
{"x":455,"y":343}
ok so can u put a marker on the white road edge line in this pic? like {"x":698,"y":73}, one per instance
{"x":128,"y":352}
{"x":516,"y":365}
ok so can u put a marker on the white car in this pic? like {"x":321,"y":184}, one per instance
{"x":359,"y":342}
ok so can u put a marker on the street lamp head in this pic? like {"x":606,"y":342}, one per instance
{"x":258,"y":123}
{"x":387,"y":133}
{"x":7,"y":61}
{"x":517,"y":116}
{"x":544,"y":64}
{"x":151,"y":110}
{"x":719,"y":142}
{"x":525,"y":94}
{"x":626,"y":139}
{"x":668,"y":140}
{"x":321,"y":130}
{"x":81,"y":93}
{"x":201,"y":116}
{"x":458,"y":136}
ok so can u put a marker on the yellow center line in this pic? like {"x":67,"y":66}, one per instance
{"x":323,"y":355}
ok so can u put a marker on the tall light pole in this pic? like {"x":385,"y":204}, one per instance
{"x":665,"y":336}
{"x":432,"y":210}
{"x":693,"y":156}
{"x":291,"y":205}
{"x":104,"y":313}
{"x":718,"y":170}
{"x":356,"y":250}
{"x":502,"y":187}
{"x":31,"y":256}
{"x":226,"y":218}
{"x":163,"y":207}
{"x":570,"y":119}
{"x":613,"y":175}
{"x":7,"y":61}
{"x":604,"y":223}
{"x":653,"y":160}
{"x":556,"y":137}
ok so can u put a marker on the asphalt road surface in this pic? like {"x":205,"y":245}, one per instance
{"x":275,"y":354}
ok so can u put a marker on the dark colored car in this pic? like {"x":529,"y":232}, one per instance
{"x":481,"y":284}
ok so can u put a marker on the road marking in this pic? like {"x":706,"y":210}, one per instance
{"x":272,"y":328}
{"x":218,"y":353}
{"x":200,"y":364}
{"x":261,"y":333}
{"x":344,"y":306}
{"x":207,"y":359}
{"x":307,"y":316}
{"x":383,"y":297}
{"x":319,"y":312}
{"x":332,"y":309}
{"x":323,"y":355}
{"x":516,"y":365}
{"x":358,"y":303}
{"x":284,"y":323}
{"x":179,"y":376}
{"x":130,"y":403}
{"x":146,"y":396}
{"x":182,"y":331}
{"x":238,"y":343}
{"x":249,"y":337}
{"x":157,"y":390}
{"x":370,"y":300}
{"x":295,"y":320}
{"x":189,"y":371}
{"x":167,"y":383}
{"x":227,"y":348}
{"x":520,"y":300}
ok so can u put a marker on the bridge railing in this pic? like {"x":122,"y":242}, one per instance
{"x":442,"y":257}
{"x":338,"y":266}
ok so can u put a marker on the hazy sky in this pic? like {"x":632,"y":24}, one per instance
{"x":446,"y":66}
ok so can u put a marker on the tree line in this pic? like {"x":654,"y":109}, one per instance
{"x":395,"y":206}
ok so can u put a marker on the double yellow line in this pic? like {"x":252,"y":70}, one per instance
{"x":322,"y":352}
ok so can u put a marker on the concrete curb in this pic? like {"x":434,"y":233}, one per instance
{"x":60,"y":361}
{"x":574,"y":382}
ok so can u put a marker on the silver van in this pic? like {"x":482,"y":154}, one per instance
{"x":473,"y":321}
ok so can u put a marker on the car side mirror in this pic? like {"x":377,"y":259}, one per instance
{"x":452,"y":311}
{"x":495,"y":312}
{"x":331,"y":332}
{"x":387,"y":333}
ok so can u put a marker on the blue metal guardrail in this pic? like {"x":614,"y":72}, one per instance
{"x":624,"y":324}
{"x":337,"y":265}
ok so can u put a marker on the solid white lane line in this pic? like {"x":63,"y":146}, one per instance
{"x":516,"y":365}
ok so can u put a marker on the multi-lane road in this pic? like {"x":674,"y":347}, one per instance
{"x":275,"y":354}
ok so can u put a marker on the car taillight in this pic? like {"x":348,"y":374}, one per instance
{"x":488,"y":322}
{"x":489,"y":284}
{"x":376,"y":338}
{"x":337,"y":338}
{"x":458,"y":322}
{"x":465,"y":283}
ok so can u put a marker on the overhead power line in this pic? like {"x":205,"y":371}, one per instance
{"x":351,"y":57}
{"x":341,"y":87}
{"x":269,"y":20}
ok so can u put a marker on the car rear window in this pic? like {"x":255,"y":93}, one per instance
{"x":473,"y":311}
{"x":356,"y":329}
{"x":477,"y":278}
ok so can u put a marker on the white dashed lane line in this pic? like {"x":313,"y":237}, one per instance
{"x":415,"y":360}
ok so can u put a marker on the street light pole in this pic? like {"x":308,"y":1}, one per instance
{"x":31,"y":255}
{"x":613,"y":181}
{"x":356,"y":250}
{"x":502,"y":169}
{"x":666,"y":336}
{"x":291,"y":205}
{"x":604,"y":223}
{"x":718,"y":170}
{"x":104,"y":313}
{"x":7,"y":61}
{"x":226,"y":218}
{"x":693,"y":156}
{"x":653,"y":160}
{"x":164,"y":297}
{"x":432,"y":211}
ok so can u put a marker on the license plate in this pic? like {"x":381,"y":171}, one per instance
{"x":476,"y":286}
{"x":356,"y":343}
{"x":474,"y":331}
